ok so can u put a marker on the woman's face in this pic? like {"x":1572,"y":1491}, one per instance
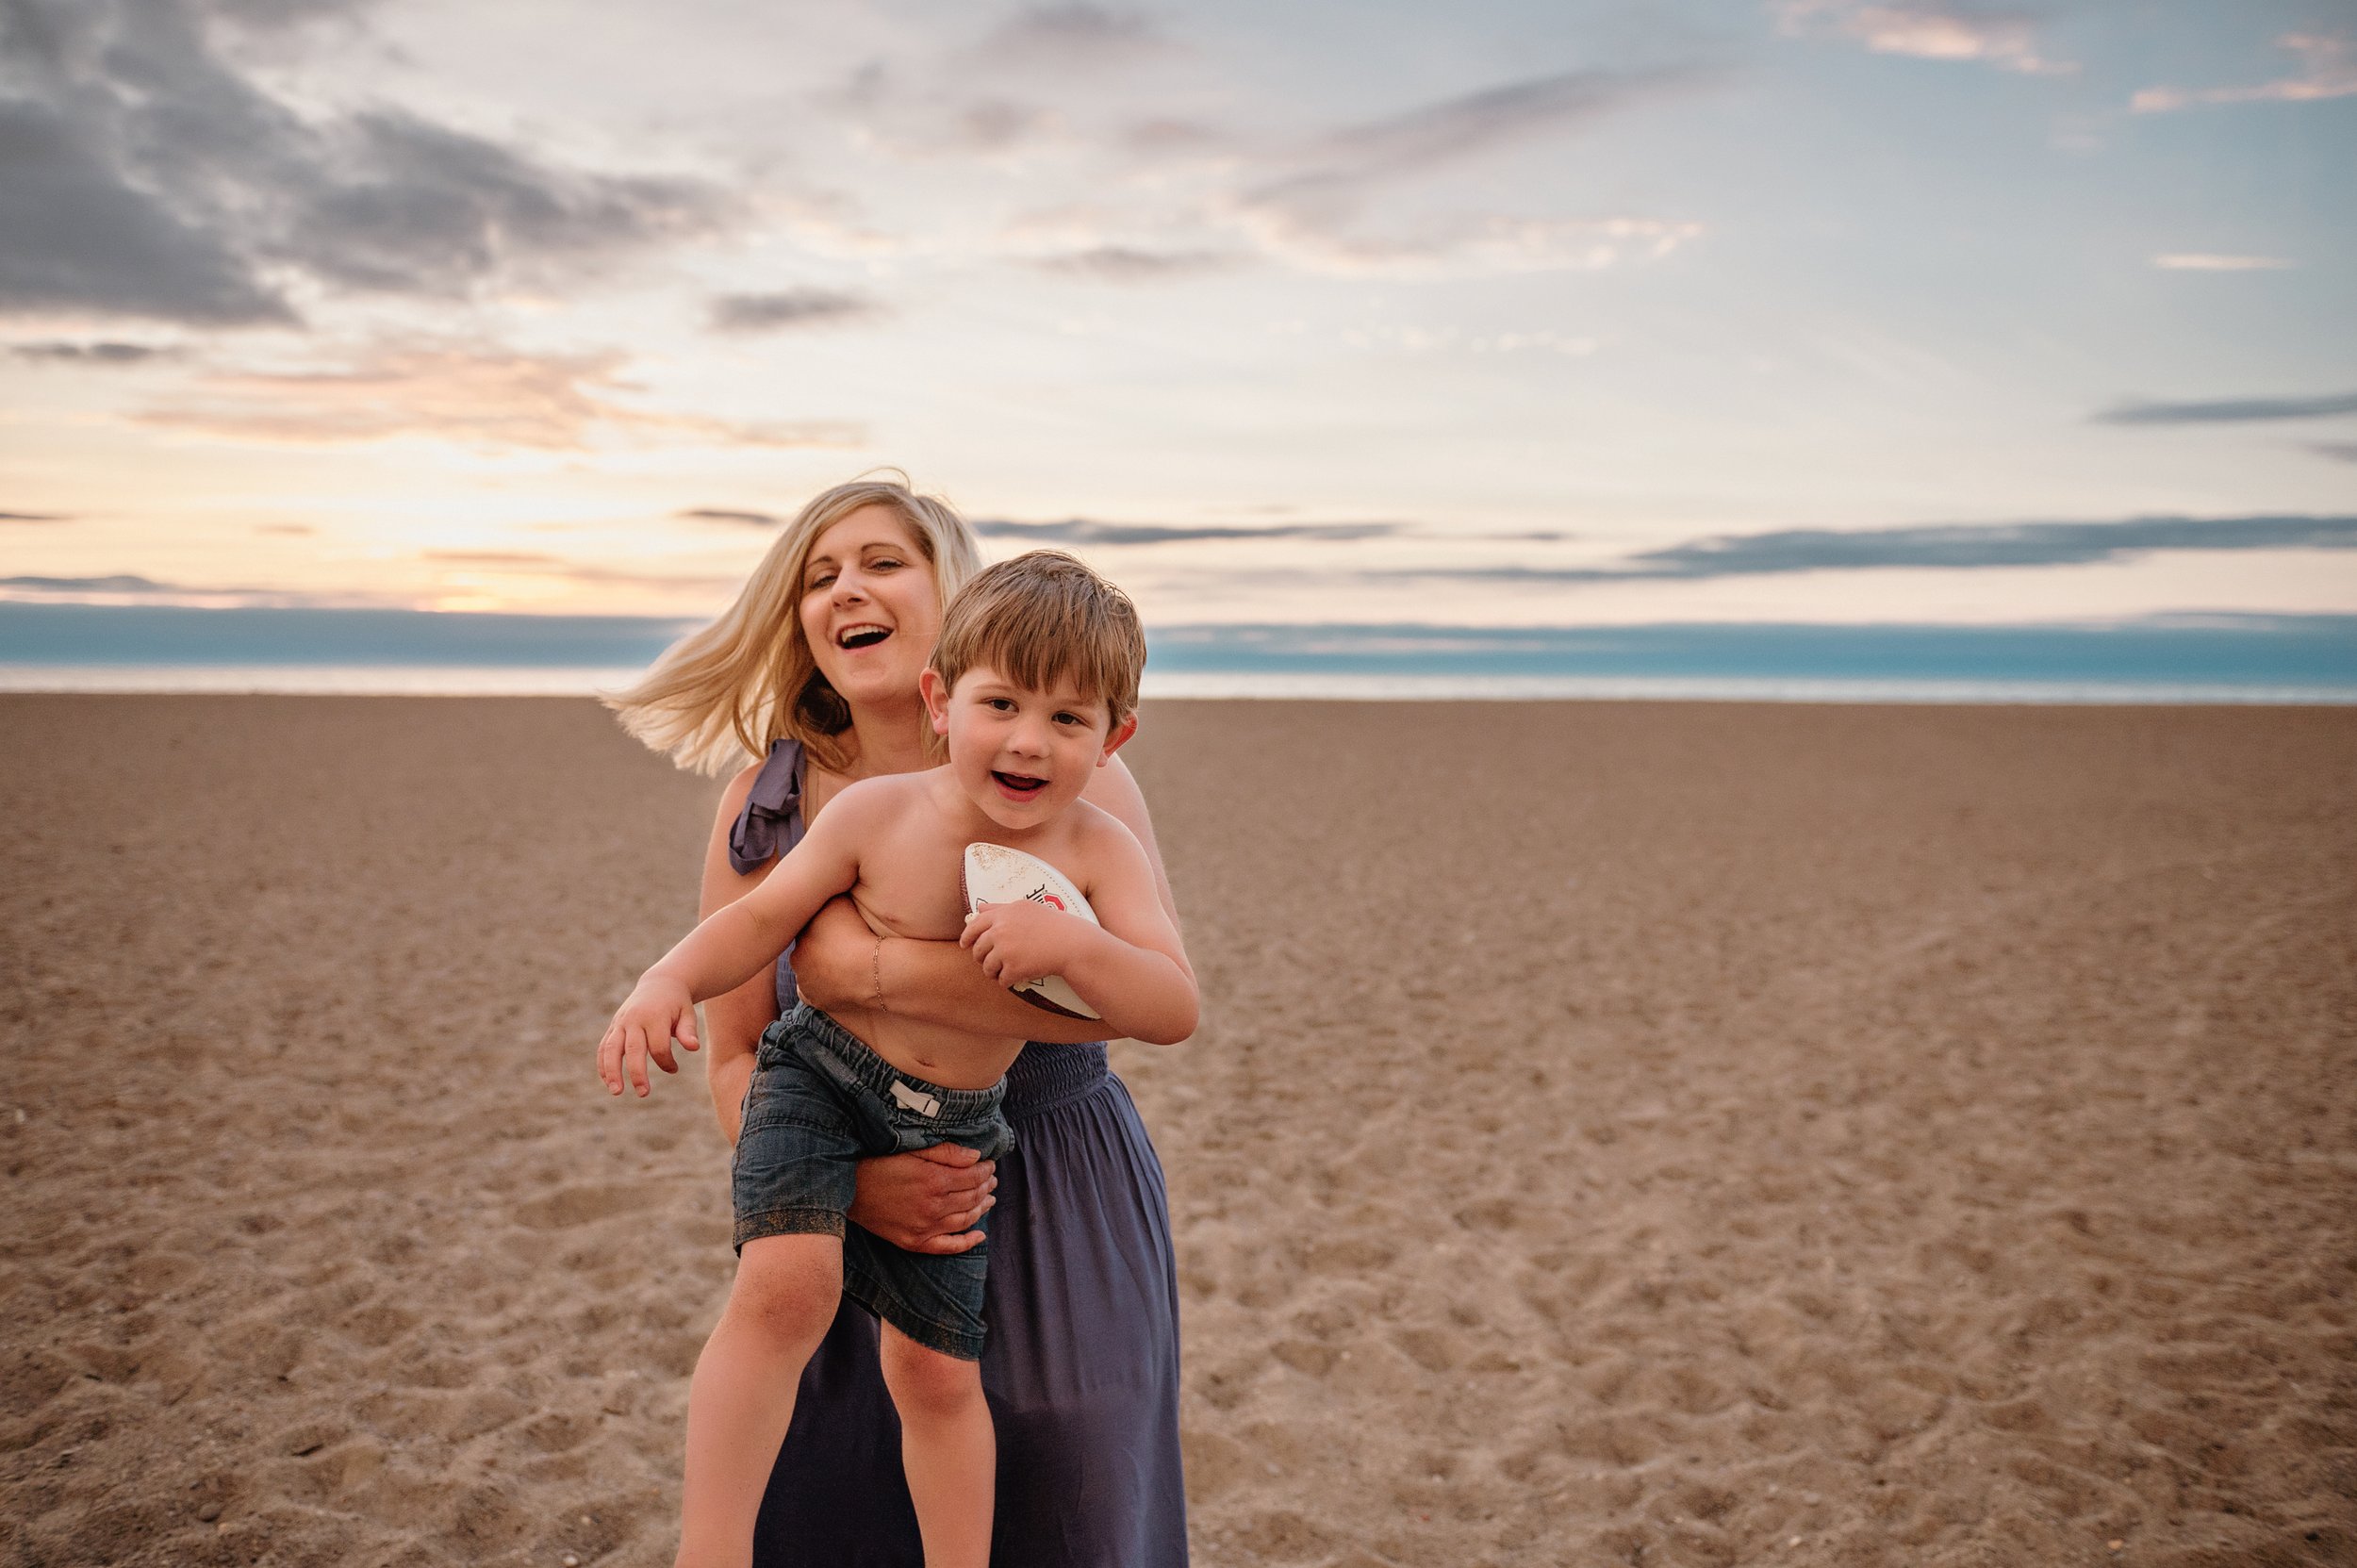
{"x":869,"y":607}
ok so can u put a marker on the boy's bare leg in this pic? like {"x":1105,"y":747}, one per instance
{"x":947,"y":1447}
{"x":742,"y":1396}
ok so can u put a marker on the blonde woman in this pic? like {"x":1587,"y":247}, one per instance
{"x":813,"y":672}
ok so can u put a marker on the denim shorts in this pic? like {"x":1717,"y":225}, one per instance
{"x":820,"y":1101}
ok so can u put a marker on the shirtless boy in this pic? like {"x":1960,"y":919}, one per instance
{"x":1034,"y":683}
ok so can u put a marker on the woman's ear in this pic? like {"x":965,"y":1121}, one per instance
{"x":936,"y":694}
{"x":1117,"y":739}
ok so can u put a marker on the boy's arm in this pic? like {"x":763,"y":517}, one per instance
{"x":1131,"y":968}
{"x":734,"y":943}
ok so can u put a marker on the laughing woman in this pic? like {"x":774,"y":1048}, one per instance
{"x":813,"y":672}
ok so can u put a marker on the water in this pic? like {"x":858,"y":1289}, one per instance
{"x":2179,"y":659}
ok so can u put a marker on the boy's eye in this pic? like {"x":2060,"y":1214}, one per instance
{"x":1000,"y":704}
{"x":1070,"y":718}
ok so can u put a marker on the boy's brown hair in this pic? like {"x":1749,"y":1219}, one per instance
{"x":1040,"y":617}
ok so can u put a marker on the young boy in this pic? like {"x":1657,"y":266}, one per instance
{"x":1034,"y":683}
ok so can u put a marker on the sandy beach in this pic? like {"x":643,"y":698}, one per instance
{"x":1620,"y":1133}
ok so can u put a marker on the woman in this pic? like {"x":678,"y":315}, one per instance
{"x":815,"y":671}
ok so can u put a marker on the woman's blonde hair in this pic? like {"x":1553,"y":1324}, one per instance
{"x":718,"y":697}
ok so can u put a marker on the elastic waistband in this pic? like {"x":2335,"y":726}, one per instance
{"x":1046,"y":1077}
{"x":857,"y":1060}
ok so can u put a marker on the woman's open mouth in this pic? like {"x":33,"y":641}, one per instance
{"x":1018,"y":786}
{"x":860,"y":637}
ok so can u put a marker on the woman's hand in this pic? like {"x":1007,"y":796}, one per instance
{"x":928,"y":1202}
{"x":834,"y":958}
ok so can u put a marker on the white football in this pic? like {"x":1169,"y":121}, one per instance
{"x":994,"y":874}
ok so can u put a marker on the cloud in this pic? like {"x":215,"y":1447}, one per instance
{"x":1925,"y":30}
{"x":1071,"y":37}
{"x":2327,"y":69}
{"x":2229,"y":410}
{"x":120,"y":583}
{"x":35,"y":516}
{"x":290,"y":530}
{"x":1314,"y":215}
{"x":2340,"y":452}
{"x":1128,"y":264}
{"x":491,"y":557}
{"x":2202,"y":261}
{"x":1085,"y":531}
{"x":477,"y":397}
{"x":92,"y":353}
{"x":723,"y":514}
{"x":792,"y":307}
{"x":1938,"y":547}
{"x":146,"y":176}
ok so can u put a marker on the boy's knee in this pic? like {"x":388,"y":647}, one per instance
{"x":788,"y":1287}
{"x":926,"y":1383}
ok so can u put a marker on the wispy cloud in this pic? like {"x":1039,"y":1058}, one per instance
{"x":130,"y":587}
{"x":1085,"y":531}
{"x":149,"y":176}
{"x":2340,"y":452}
{"x":2229,"y":410}
{"x":1071,"y":37}
{"x":2205,"y":261}
{"x":491,"y":557}
{"x":1945,"y":547}
{"x":92,"y":353}
{"x":2327,"y":69}
{"x":1925,"y":29}
{"x":724,"y":514}
{"x":791,"y":307}
{"x":1316,"y":215}
{"x":35,"y":516}
{"x":477,"y":397}
{"x":1128,"y":264}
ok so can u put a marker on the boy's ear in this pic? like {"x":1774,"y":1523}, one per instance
{"x":1120,"y":737}
{"x":936,"y":694}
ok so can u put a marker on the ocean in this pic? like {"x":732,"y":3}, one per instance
{"x":2185,"y":658}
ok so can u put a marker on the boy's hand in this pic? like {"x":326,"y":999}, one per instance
{"x":657,"y":1011}
{"x":1021,"y":942}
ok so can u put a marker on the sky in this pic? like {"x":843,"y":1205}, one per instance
{"x":1498,"y":313}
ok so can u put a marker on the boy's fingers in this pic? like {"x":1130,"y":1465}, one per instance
{"x":634,"y":1058}
{"x":687,"y":1031}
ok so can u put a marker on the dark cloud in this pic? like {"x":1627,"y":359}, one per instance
{"x":2340,"y":452}
{"x":93,"y":354}
{"x":1126,"y":264}
{"x":2230,"y":410}
{"x":35,"y":516}
{"x":1083,"y":531}
{"x":144,"y":175}
{"x":792,"y":307}
{"x":123,"y":583}
{"x":1938,"y":548}
{"x":723,"y":514}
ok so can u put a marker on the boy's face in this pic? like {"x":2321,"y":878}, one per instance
{"x":1021,"y":755}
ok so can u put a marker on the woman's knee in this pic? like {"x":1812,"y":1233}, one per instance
{"x":787,"y":1287}
{"x":927,"y":1383}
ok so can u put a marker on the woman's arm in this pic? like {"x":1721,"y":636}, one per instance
{"x":732,"y":1023}
{"x":840,"y":963}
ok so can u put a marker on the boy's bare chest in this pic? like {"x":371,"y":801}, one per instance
{"x":909,"y":885}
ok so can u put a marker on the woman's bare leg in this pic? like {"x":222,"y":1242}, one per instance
{"x":947,"y":1447}
{"x":742,"y":1396}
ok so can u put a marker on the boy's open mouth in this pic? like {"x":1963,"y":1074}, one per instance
{"x":1022,"y":787}
{"x":860,"y":637}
